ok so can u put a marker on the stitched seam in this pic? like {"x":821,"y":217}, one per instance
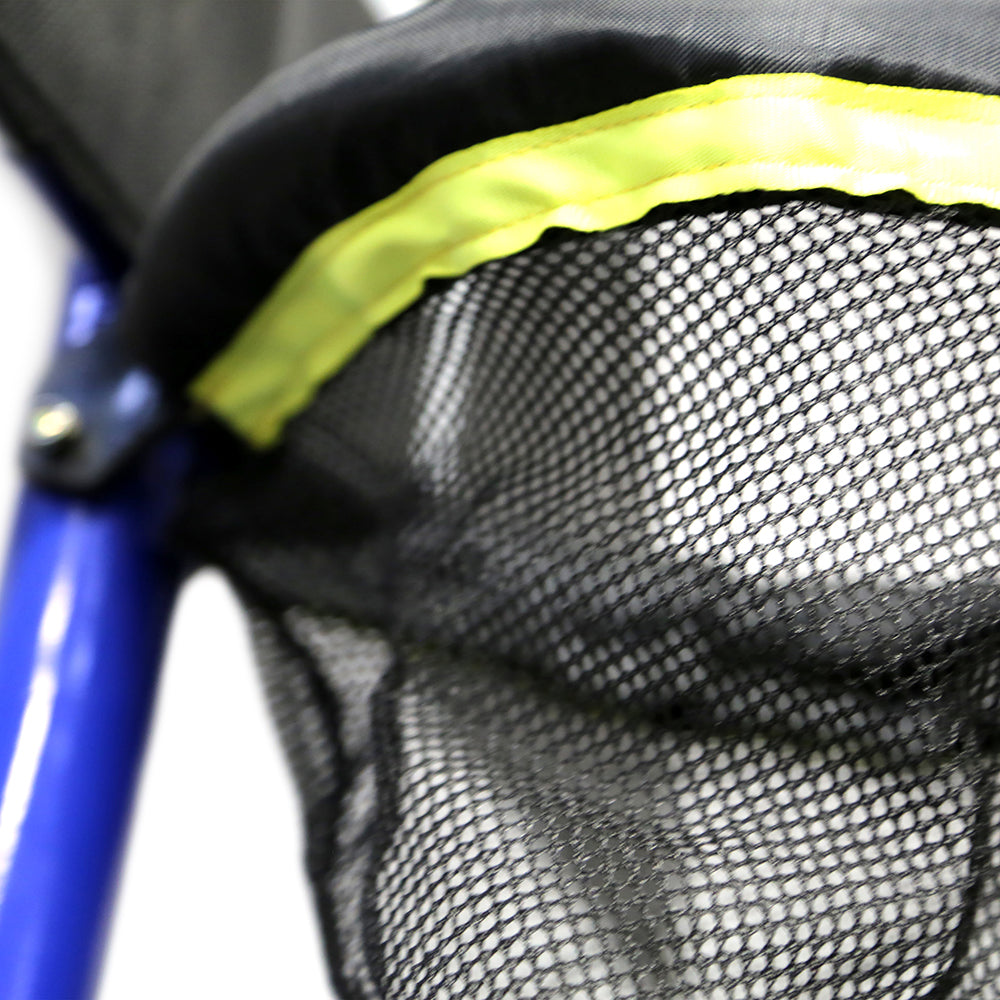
{"x":303,"y":358}
{"x":416,"y":188}
{"x":395,"y":204}
{"x":794,"y":89}
{"x":422,"y":184}
{"x":306,"y":355}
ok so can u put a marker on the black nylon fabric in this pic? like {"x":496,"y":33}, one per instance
{"x":630,"y":610}
{"x":357,"y":120}
{"x":111,"y":95}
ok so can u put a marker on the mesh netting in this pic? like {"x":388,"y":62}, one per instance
{"x":630,"y":610}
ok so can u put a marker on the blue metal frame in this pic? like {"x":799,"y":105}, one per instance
{"x":83,"y":615}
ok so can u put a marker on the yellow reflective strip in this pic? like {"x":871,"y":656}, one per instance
{"x":783,"y":132}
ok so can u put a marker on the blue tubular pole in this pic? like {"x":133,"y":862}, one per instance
{"x":83,"y":615}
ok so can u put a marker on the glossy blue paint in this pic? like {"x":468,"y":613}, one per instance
{"x":83,"y":615}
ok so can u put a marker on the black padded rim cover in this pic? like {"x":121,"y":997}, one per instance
{"x":356,"y":120}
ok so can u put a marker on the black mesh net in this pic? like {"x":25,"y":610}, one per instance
{"x":629,"y":609}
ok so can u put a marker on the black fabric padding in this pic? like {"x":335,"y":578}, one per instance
{"x":111,"y":95}
{"x":358,"y":119}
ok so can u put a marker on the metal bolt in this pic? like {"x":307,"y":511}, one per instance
{"x":54,"y":424}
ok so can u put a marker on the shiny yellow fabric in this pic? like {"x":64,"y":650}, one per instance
{"x":784,"y":132}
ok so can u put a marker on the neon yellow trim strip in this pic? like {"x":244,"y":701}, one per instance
{"x":783,"y":132}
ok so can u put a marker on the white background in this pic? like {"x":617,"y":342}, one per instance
{"x":213,"y":902}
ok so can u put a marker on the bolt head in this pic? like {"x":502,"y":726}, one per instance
{"x":54,"y":424}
